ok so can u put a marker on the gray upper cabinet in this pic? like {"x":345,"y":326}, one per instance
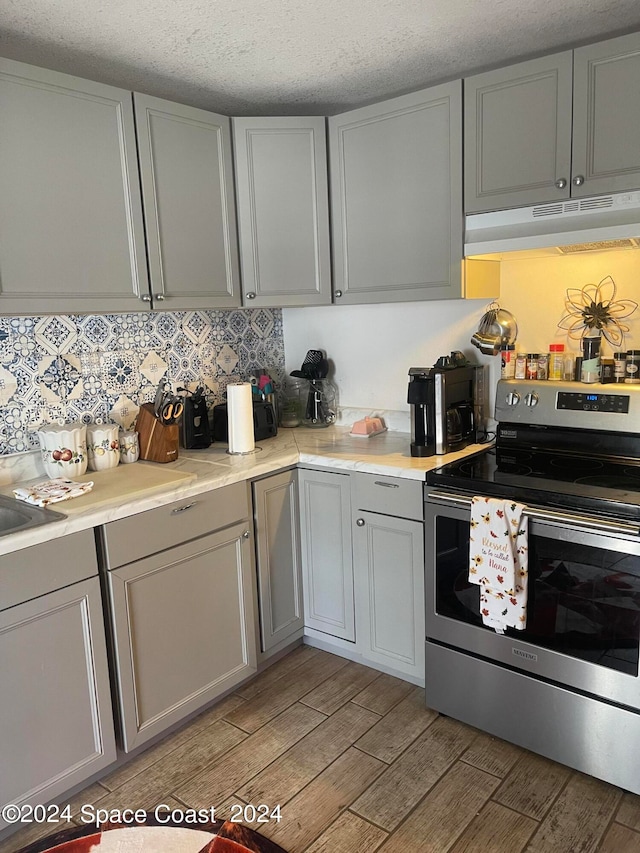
{"x":396,"y":196}
{"x":606,"y":117}
{"x":283,"y":210}
{"x":564,"y":126}
{"x":70,"y":213}
{"x":189,"y":206}
{"x":517,"y":134}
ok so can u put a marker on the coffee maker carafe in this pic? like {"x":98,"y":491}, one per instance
{"x":446,"y":405}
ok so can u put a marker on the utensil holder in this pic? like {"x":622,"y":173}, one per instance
{"x":158,"y":441}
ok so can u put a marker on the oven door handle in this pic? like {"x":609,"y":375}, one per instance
{"x":601,"y":525}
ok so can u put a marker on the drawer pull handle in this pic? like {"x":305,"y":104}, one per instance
{"x":386,"y":485}
{"x":184,"y":508}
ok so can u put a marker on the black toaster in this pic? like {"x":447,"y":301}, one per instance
{"x":264,"y":421}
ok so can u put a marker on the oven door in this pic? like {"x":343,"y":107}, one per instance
{"x":583,"y":612}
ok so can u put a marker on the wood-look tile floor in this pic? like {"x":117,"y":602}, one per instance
{"x":358,"y":764}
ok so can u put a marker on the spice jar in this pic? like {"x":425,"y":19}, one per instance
{"x":632,"y":376}
{"x":568,"y":367}
{"x":508,"y":361}
{"x":619,"y":366}
{"x":543,"y":365}
{"x":521,"y":366}
{"x":556,"y":361}
{"x":532,"y":365}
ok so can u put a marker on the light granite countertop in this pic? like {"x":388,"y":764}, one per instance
{"x":129,"y":489}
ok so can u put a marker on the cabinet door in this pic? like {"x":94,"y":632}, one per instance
{"x":396,"y":198}
{"x":189,"y":207}
{"x":56,"y":724}
{"x":275,"y":502}
{"x":283,"y":210}
{"x":183,"y":630}
{"x":606,"y":117}
{"x":517,"y":134}
{"x":327,"y":563}
{"x":70,"y":211}
{"x":389,"y":570}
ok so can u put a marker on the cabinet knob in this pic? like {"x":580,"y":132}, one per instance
{"x":578,"y":181}
{"x":561,"y":183}
{"x":159,"y":297}
{"x":251,"y":296}
{"x":246,"y":534}
{"x":338,"y":294}
{"x":146,"y":297}
{"x":360,"y":522}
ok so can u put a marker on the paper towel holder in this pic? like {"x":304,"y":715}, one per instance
{"x":241,"y":403}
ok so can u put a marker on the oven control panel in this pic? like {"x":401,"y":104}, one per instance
{"x":612,"y":407}
{"x":588,"y":402}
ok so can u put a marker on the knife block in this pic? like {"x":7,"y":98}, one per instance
{"x":158,"y":441}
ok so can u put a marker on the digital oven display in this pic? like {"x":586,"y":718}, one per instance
{"x":571,"y":400}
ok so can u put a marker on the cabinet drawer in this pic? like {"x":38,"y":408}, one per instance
{"x":40,"y":569}
{"x":157,"y":529}
{"x":388,"y":495}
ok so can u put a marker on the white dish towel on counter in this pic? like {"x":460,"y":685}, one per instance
{"x":52,"y":491}
{"x":498,"y":561}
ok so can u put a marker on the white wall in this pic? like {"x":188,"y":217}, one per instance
{"x":373,"y":346}
{"x":534,"y":291}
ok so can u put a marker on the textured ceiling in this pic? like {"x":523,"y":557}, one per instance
{"x":244,"y":57}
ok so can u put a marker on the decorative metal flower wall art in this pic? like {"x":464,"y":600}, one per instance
{"x":594,"y":309}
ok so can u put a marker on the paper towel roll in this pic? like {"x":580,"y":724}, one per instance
{"x":240,"y":415}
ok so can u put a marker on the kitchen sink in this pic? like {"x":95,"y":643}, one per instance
{"x":16,"y":516}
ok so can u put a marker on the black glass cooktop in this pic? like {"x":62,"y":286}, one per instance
{"x":604,"y":486}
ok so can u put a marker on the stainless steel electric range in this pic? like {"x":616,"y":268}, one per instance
{"x":568,"y":686}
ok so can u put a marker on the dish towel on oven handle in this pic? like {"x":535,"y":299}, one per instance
{"x":498,"y":561}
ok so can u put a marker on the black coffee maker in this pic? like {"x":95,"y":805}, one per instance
{"x":447,"y":409}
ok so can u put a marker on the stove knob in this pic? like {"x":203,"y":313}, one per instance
{"x":512,"y":398}
{"x":531,"y":399}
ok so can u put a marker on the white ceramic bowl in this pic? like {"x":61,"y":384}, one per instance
{"x":64,"y":449}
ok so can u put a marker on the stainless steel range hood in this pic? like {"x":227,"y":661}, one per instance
{"x":558,"y":228}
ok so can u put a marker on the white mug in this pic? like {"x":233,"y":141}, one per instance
{"x":64,"y":449}
{"x":103,"y":447}
{"x":129,"y":446}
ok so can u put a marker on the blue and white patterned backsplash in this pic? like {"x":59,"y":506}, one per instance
{"x":101,"y":368}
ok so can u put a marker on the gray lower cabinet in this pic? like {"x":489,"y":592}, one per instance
{"x":278,"y":563}
{"x":388,"y":556}
{"x":396,"y":198}
{"x":182,"y":618}
{"x":189,"y":205}
{"x":56,"y":723}
{"x":283,"y":210}
{"x":389,"y":566}
{"x":327,"y":563}
{"x":563,"y":126}
{"x":70,"y":210}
